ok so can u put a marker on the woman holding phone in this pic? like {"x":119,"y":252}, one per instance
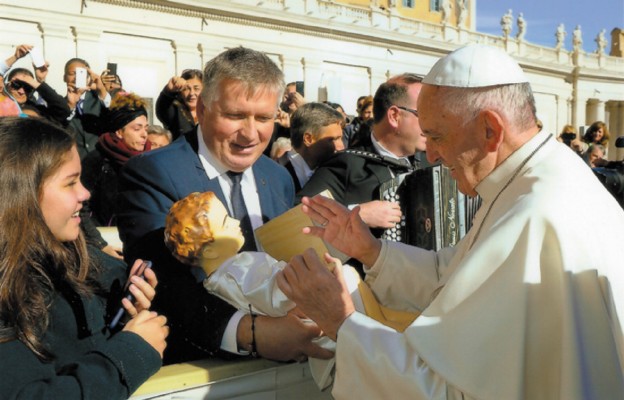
{"x":21,"y":86}
{"x":177,"y":102}
{"x":55,"y":293}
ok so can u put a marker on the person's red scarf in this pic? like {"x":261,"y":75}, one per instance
{"x":116,"y":150}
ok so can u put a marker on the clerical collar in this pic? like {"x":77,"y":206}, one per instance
{"x":512,"y":167}
{"x":491,"y":184}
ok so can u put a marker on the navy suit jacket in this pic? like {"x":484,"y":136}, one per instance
{"x":150,"y":183}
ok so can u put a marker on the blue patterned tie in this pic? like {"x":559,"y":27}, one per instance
{"x":240,"y":211}
{"x":79,"y":107}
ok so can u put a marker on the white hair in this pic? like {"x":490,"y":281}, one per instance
{"x":513,"y":102}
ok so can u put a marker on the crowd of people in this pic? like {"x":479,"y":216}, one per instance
{"x":525,"y":281}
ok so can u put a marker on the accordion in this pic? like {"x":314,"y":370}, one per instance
{"x":435,"y":213}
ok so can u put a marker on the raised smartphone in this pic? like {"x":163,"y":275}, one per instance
{"x":81,"y":78}
{"x":299,"y":87}
{"x":36,"y":55}
{"x":112,"y":68}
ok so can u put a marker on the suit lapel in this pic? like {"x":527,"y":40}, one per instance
{"x":264,"y":194}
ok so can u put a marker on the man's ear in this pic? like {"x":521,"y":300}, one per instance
{"x":308,"y":139}
{"x":199,"y":109}
{"x":393,"y":116}
{"x":494,"y":129}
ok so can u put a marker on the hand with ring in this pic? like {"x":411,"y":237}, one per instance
{"x":342,"y":228}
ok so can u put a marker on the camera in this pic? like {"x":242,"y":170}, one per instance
{"x":612,"y":175}
{"x":17,"y":85}
{"x":568,"y":138}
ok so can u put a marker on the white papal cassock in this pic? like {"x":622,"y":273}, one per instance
{"x":527,"y":310}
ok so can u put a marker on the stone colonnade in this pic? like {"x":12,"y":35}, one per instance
{"x":612,"y":113}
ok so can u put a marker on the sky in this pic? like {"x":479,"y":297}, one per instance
{"x":543,"y":17}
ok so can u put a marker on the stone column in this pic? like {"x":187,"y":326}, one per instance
{"x":187,"y":56}
{"x":569,"y":106}
{"x":58,"y":48}
{"x":616,"y":128}
{"x":293,"y":70}
{"x":312,"y":72}
{"x":595,"y":111}
{"x":89,"y":46}
{"x":377,"y":77}
{"x":562,"y":116}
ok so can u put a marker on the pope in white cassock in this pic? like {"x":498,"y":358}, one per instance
{"x":526,"y":306}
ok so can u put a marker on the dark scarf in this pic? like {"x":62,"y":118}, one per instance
{"x":116,"y":150}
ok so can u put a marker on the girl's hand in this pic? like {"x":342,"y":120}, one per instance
{"x":143,"y":290}
{"x":151,"y":327}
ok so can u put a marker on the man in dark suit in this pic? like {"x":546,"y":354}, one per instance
{"x":315,"y":134}
{"x":236,"y":110}
{"x":354,"y":176}
{"x":87,"y":106}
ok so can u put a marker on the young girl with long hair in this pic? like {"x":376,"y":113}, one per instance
{"x":56,"y":294}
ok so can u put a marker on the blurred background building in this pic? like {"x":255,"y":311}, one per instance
{"x":340,"y":49}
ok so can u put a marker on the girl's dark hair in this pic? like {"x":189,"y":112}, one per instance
{"x":32,"y":260}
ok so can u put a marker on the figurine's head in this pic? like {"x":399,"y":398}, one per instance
{"x":199,"y":231}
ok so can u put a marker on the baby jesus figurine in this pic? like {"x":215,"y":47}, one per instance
{"x":199,"y":232}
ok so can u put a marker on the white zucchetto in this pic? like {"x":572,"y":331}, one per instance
{"x":475,"y":65}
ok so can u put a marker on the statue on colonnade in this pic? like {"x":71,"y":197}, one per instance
{"x":560,"y":35}
{"x":506,"y":22}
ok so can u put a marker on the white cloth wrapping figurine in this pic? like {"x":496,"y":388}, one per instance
{"x":248,"y":278}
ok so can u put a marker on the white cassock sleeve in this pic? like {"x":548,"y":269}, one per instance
{"x":370,"y":352}
{"x":393,"y":367}
{"x":419,"y":280}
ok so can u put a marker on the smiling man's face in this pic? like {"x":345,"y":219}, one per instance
{"x":238,"y":126}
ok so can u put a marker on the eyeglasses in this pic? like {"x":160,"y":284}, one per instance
{"x":409,"y":110}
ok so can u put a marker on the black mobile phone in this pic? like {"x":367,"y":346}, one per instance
{"x":112,"y":68}
{"x":299,"y":88}
{"x":127,"y":294}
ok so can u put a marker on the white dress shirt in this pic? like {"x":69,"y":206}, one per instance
{"x":215,"y":169}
